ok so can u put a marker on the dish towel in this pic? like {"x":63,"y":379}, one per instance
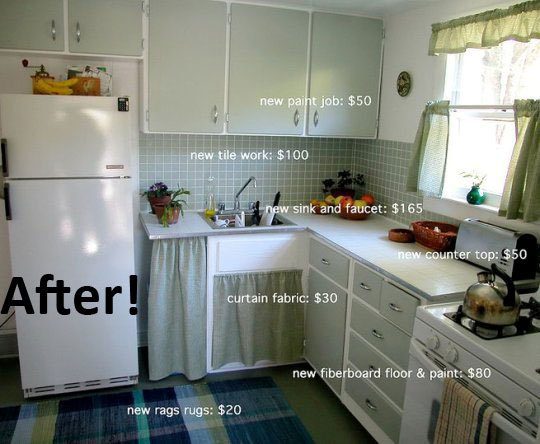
{"x":464,"y":417}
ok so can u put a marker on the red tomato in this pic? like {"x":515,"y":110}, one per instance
{"x":369,"y":199}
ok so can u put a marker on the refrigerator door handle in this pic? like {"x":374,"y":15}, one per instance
{"x":7,"y":201}
{"x":5,"y":170}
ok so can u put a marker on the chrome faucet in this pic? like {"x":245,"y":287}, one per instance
{"x":237,"y":195}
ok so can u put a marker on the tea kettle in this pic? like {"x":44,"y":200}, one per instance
{"x":491,"y":303}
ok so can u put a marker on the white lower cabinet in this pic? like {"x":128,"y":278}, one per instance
{"x":367,"y":329}
{"x":325,"y":328}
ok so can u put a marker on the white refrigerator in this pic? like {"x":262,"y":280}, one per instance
{"x":68,"y":198}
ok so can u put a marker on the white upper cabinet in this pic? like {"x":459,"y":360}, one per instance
{"x":32,"y":25}
{"x":105,"y":27}
{"x":186,"y":66}
{"x":345,"y":66}
{"x":268,"y":60}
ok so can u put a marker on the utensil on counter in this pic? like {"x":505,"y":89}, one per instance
{"x":257,"y":213}
{"x":277,"y":199}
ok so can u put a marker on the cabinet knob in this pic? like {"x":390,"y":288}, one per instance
{"x":370,"y":405}
{"x":325,"y":261}
{"x":53,"y":30}
{"x":78,"y":32}
{"x":377,"y":334}
{"x":395,"y":308}
{"x":296,"y":118}
{"x":316,"y":118}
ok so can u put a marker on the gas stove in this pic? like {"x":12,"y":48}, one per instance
{"x":528,"y":322}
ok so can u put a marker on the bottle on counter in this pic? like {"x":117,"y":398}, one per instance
{"x":210,"y":198}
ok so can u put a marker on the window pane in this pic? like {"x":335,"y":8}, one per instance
{"x":479,"y":144}
{"x":494,"y":76}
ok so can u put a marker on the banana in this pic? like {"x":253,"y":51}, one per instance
{"x":62,"y":84}
{"x":46,"y":88}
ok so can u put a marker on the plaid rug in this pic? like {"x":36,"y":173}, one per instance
{"x":183,"y":414}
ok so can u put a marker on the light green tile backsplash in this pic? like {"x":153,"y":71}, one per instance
{"x":166,"y":158}
{"x":385,"y":164}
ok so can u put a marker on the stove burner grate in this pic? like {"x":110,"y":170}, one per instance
{"x":524,"y":325}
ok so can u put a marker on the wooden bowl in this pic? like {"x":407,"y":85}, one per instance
{"x":401,"y":235}
{"x":347,"y":213}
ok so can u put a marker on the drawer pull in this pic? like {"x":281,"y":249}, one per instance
{"x":377,"y":334}
{"x":365,"y":287}
{"x":370,"y":405}
{"x":325,"y":261}
{"x":395,"y":307}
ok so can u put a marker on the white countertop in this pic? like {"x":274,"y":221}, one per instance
{"x":366,"y":241}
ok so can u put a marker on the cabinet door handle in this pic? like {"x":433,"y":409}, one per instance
{"x":372,"y":368}
{"x":4,"y":154}
{"x":78,"y":32}
{"x":316,"y":118}
{"x":377,"y":334}
{"x":395,"y":307}
{"x":296,"y":118}
{"x":53,"y":30}
{"x":370,"y":405}
{"x":7,"y":201}
{"x":215,"y":114}
{"x":325,"y":261}
{"x":365,"y":287}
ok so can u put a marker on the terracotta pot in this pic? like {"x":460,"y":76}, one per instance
{"x":163,"y":200}
{"x":336,"y":192}
{"x":173,"y":218}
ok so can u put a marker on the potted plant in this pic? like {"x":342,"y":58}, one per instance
{"x":158,"y":194}
{"x":344,"y":183}
{"x":475,"y":196}
{"x":170,"y":213}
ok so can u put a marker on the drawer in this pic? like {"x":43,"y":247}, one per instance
{"x":380,"y":333}
{"x":371,"y":401}
{"x":398,"y":306}
{"x":367,"y":285}
{"x":364,"y":357}
{"x":331,"y":263}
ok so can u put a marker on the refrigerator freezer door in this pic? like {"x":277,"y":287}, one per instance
{"x":64,"y":136}
{"x":80,"y":231}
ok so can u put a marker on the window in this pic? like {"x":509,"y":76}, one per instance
{"x":481,"y":140}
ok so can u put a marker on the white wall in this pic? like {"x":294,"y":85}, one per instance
{"x":406,"y":49}
{"x":16,"y":79}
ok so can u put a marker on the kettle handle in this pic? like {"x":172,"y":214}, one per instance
{"x":510,"y":298}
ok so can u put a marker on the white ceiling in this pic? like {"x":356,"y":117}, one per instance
{"x":375,"y":8}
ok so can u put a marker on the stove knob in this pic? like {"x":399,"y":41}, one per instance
{"x":526,"y":408}
{"x":433,"y":342}
{"x":451,"y":355}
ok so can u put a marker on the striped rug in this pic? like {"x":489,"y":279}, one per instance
{"x":182,"y":414}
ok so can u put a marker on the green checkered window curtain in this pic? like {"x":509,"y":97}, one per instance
{"x":521,"y":194}
{"x":520,"y":22}
{"x":430,"y":150}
